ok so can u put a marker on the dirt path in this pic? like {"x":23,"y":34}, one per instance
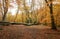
{"x":28,"y":32}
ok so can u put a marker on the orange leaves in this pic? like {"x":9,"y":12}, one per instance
{"x":18,"y":2}
{"x":0,"y":4}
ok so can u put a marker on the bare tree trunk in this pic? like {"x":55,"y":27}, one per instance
{"x":5,"y":7}
{"x":52,"y":17}
{"x":51,"y":14}
{"x":16,"y":14}
{"x":27,"y":12}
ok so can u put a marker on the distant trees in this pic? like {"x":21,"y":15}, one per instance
{"x":28,"y":11}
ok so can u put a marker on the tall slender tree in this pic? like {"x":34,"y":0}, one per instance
{"x":18,"y":3}
{"x":26,"y":10}
{"x":51,"y":14}
{"x":5,"y":9}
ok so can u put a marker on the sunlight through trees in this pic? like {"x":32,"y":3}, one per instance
{"x":30,"y":11}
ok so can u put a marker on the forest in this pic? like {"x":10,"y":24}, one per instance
{"x":30,"y":13}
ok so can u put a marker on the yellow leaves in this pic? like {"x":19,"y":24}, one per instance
{"x":27,"y":7}
{"x":21,"y":8}
{"x":43,"y":13}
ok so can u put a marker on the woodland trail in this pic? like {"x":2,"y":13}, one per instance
{"x":28,"y":32}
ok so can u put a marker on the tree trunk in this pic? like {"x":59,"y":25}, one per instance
{"x":52,"y":17}
{"x":51,"y":14}
{"x":5,"y":7}
{"x":3,"y":19}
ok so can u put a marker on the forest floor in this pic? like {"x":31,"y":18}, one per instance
{"x":28,"y":32}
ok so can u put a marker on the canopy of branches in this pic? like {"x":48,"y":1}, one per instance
{"x":21,"y":10}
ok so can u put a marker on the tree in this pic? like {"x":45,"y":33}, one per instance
{"x":5,"y":7}
{"x":18,"y":3}
{"x":51,"y":13}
